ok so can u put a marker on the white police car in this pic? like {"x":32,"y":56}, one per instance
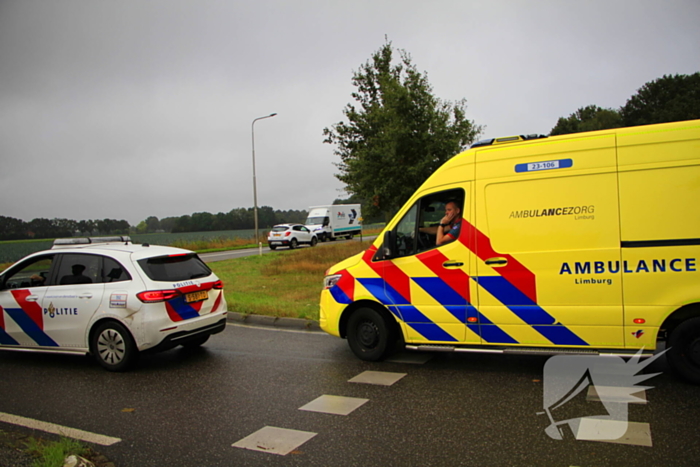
{"x":110,"y":298}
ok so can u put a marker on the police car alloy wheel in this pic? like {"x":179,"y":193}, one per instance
{"x":113,"y":346}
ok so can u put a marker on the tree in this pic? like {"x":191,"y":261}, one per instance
{"x":399,"y":134}
{"x":666,"y":99}
{"x":152,"y":224}
{"x":588,"y":118}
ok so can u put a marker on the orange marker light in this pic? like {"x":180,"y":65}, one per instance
{"x":639,"y":321}
{"x":472,"y":320}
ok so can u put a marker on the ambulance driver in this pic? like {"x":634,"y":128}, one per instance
{"x":450,"y":225}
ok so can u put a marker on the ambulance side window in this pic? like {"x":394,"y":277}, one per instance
{"x":416,"y":231}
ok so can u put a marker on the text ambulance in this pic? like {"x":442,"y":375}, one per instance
{"x":583,"y":243}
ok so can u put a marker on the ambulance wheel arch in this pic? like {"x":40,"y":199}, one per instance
{"x":112,"y":345}
{"x":683,"y":342}
{"x":371,"y":330}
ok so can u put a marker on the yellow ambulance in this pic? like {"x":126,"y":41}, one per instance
{"x":584,"y":243}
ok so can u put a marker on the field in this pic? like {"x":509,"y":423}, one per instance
{"x":11,"y":251}
{"x":286,"y":283}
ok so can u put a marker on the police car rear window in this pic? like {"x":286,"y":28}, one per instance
{"x":280,"y":228}
{"x":174,"y":268}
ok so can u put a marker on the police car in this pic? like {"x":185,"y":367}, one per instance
{"x":110,"y":298}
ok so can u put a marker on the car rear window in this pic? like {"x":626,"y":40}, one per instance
{"x":280,"y":228}
{"x":174,"y":268}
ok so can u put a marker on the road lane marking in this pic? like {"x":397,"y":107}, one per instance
{"x":337,"y":405}
{"x":276,"y":329}
{"x":58,"y":429}
{"x":382,"y":378}
{"x":274,"y":440}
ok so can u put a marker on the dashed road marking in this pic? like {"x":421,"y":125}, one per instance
{"x":337,"y":405}
{"x":59,"y":430}
{"x":382,"y":378}
{"x":274,"y":440}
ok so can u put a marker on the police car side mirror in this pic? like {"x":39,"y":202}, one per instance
{"x":389,"y":245}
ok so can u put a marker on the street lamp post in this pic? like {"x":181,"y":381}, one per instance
{"x":255,"y":191}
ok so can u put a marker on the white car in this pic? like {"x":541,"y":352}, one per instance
{"x":110,"y":298}
{"x":291,"y":235}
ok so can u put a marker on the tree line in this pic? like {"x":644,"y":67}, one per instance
{"x":671,"y":98}
{"x":236,"y":219}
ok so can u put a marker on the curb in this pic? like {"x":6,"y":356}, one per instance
{"x":274,"y":321}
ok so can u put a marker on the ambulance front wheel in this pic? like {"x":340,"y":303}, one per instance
{"x":370,"y":336}
{"x":684,"y":350}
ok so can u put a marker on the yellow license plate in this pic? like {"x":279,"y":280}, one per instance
{"x":196,"y":296}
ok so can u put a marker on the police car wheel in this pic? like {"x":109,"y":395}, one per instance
{"x":293,"y":244}
{"x":113,"y":346}
{"x":272,"y":247}
{"x":684,"y":350}
{"x":314,"y":241}
{"x":370,"y":337}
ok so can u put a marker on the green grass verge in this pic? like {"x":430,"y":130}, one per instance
{"x":53,"y":453}
{"x":282,"y":283}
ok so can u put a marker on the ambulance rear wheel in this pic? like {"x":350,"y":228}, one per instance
{"x":684,"y":350}
{"x":113,"y":346}
{"x":370,"y":336}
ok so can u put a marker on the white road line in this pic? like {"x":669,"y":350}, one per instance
{"x":59,"y":430}
{"x":274,"y":329}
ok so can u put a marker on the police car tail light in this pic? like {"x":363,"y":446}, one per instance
{"x":287,"y":234}
{"x":218,"y":285}
{"x":153,"y":296}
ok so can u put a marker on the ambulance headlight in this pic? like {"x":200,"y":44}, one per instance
{"x":330,"y":281}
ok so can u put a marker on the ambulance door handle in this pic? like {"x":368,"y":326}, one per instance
{"x":496,"y":261}
{"x":85,"y":295}
{"x":32,"y":298}
{"x":454,"y":264}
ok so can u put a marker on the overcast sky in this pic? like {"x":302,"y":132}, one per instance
{"x":127,"y":109}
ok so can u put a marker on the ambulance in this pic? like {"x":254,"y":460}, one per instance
{"x":586,"y":243}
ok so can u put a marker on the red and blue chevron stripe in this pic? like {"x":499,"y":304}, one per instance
{"x":29,"y":318}
{"x":515,"y":287}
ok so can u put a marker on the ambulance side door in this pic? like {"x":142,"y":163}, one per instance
{"x":549,"y":246}
{"x":428,"y":284}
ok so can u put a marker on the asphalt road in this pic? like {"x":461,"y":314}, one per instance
{"x":180,"y":409}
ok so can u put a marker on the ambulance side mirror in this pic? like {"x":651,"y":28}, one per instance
{"x":389,"y":245}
